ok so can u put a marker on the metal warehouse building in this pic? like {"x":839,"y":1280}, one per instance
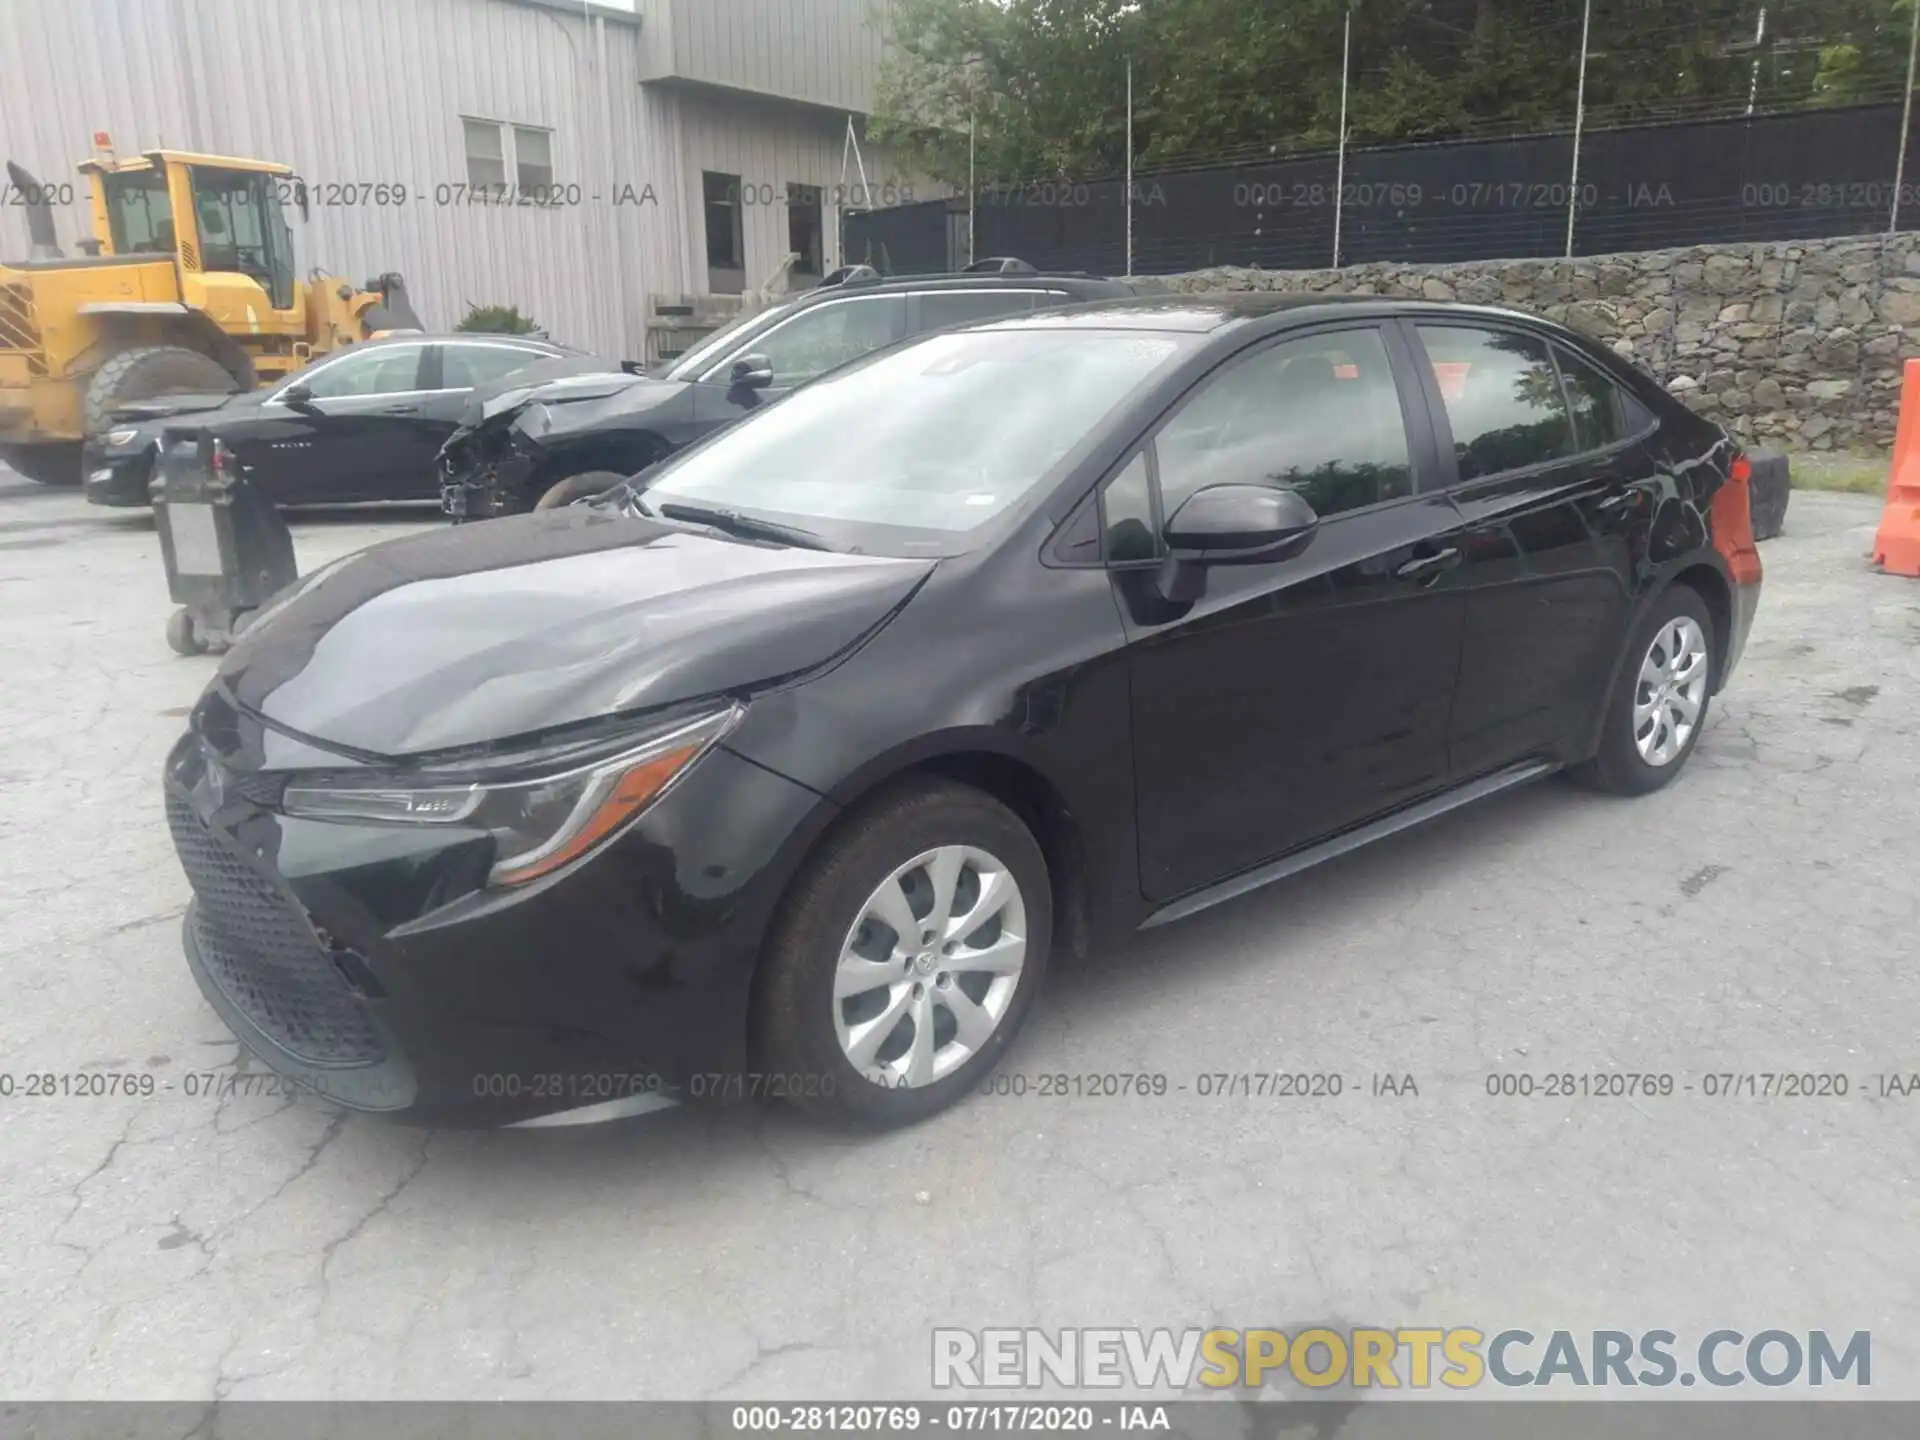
{"x":601,"y":164}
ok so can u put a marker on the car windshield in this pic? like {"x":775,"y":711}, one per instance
{"x":931,"y":440}
{"x":689,"y":365}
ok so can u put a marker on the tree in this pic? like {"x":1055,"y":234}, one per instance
{"x":1041,"y":83}
{"x":496,"y":320}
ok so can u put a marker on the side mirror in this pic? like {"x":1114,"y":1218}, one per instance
{"x":1233,"y":525}
{"x":751,"y":372}
{"x":297,"y":396}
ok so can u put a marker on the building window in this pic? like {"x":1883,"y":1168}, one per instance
{"x":486,"y":159}
{"x":533,"y":159}
{"x":804,"y":229}
{"x":726,"y":245}
{"x":500,"y":156}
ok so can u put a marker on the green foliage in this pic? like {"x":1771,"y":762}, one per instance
{"x":1039,"y":85}
{"x":497,"y":320}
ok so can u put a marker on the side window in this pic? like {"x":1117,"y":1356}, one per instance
{"x":1320,"y":415}
{"x":464,"y":366}
{"x":823,"y":336}
{"x":939,"y":309}
{"x":1600,"y":410}
{"x":1502,"y":396}
{"x":385,"y":371}
{"x":1127,"y":528}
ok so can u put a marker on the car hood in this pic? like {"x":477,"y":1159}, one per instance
{"x":554,"y":413}
{"x":161,"y":406}
{"x":484,"y":633}
{"x":563,"y":377}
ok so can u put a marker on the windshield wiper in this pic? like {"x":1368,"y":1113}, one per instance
{"x":734,"y":523}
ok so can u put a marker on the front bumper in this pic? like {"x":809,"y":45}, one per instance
{"x":369,"y":964}
{"x":118,"y":478}
{"x":489,"y":479}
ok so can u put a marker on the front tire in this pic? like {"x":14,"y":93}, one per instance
{"x":1660,"y":700}
{"x":149,"y":371}
{"x":57,"y":463}
{"x":906,"y":956}
{"x":579,"y":487}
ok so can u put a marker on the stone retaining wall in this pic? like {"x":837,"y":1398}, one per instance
{"x":1797,"y":345}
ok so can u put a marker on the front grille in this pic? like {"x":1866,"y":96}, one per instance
{"x":262,"y":953}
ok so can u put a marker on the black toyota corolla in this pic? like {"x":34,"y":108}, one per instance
{"x":784,"y":768}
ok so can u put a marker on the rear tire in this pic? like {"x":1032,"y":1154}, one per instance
{"x":183,"y":636}
{"x":819,"y":1004}
{"x":579,"y":487}
{"x":1660,"y":700}
{"x":149,"y":371}
{"x":56,"y":464}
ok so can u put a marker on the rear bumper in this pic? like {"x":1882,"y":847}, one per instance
{"x":1746,"y":602}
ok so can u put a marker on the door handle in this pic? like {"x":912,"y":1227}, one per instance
{"x":1423,"y":567}
{"x":404,"y":410}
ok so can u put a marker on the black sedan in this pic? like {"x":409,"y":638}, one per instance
{"x":361,"y":424}
{"x":785,"y":769}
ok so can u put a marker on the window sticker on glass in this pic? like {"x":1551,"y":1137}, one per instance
{"x":1452,"y":377}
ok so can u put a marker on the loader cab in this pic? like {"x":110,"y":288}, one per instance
{"x":217,"y":217}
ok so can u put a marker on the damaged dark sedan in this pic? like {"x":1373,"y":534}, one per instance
{"x":534,"y":446}
{"x":783,"y":768}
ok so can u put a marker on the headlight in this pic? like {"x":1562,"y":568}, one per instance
{"x":118,"y":438}
{"x":539,"y":822}
{"x":504,"y":401}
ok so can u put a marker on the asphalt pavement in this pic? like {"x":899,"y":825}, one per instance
{"x":1757,"y":917}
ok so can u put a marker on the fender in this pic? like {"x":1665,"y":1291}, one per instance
{"x":177,"y":324}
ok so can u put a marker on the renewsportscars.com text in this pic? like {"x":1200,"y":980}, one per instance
{"x":1416,"y":1358}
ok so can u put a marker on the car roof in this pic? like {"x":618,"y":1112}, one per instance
{"x":1068,"y":280}
{"x":423,"y":337}
{"x":1204,"y":311}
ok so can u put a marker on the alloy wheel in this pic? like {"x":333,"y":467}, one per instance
{"x":930,"y":966}
{"x":1671,"y":690}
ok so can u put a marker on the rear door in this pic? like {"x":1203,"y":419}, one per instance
{"x":937,"y":309}
{"x":1546,"y":471}
{"x":1296,"y":697}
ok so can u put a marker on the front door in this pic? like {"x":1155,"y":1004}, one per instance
{"x":352,"y":438}
{"x":1296,"y":697}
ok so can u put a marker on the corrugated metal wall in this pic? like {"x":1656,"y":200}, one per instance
{"x":821,"y":51}
{"x":355,"y":91}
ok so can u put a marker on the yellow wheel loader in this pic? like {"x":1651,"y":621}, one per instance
{"x":186,"y":286}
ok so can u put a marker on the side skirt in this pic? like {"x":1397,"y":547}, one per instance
{"x":1412,"y":815}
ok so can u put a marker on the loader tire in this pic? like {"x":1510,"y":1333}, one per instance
{"x":149,"y":371}
{"x":55,"y":464}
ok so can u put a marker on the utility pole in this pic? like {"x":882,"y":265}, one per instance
{"x":1579,"y":124}
{"x":1906,"y":123}
{"x":1129,"y":164}
{"x":1753,"y":85}
{"x":1340,"y":165}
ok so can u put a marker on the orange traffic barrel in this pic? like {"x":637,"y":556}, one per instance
{"x":1896,"y":546}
